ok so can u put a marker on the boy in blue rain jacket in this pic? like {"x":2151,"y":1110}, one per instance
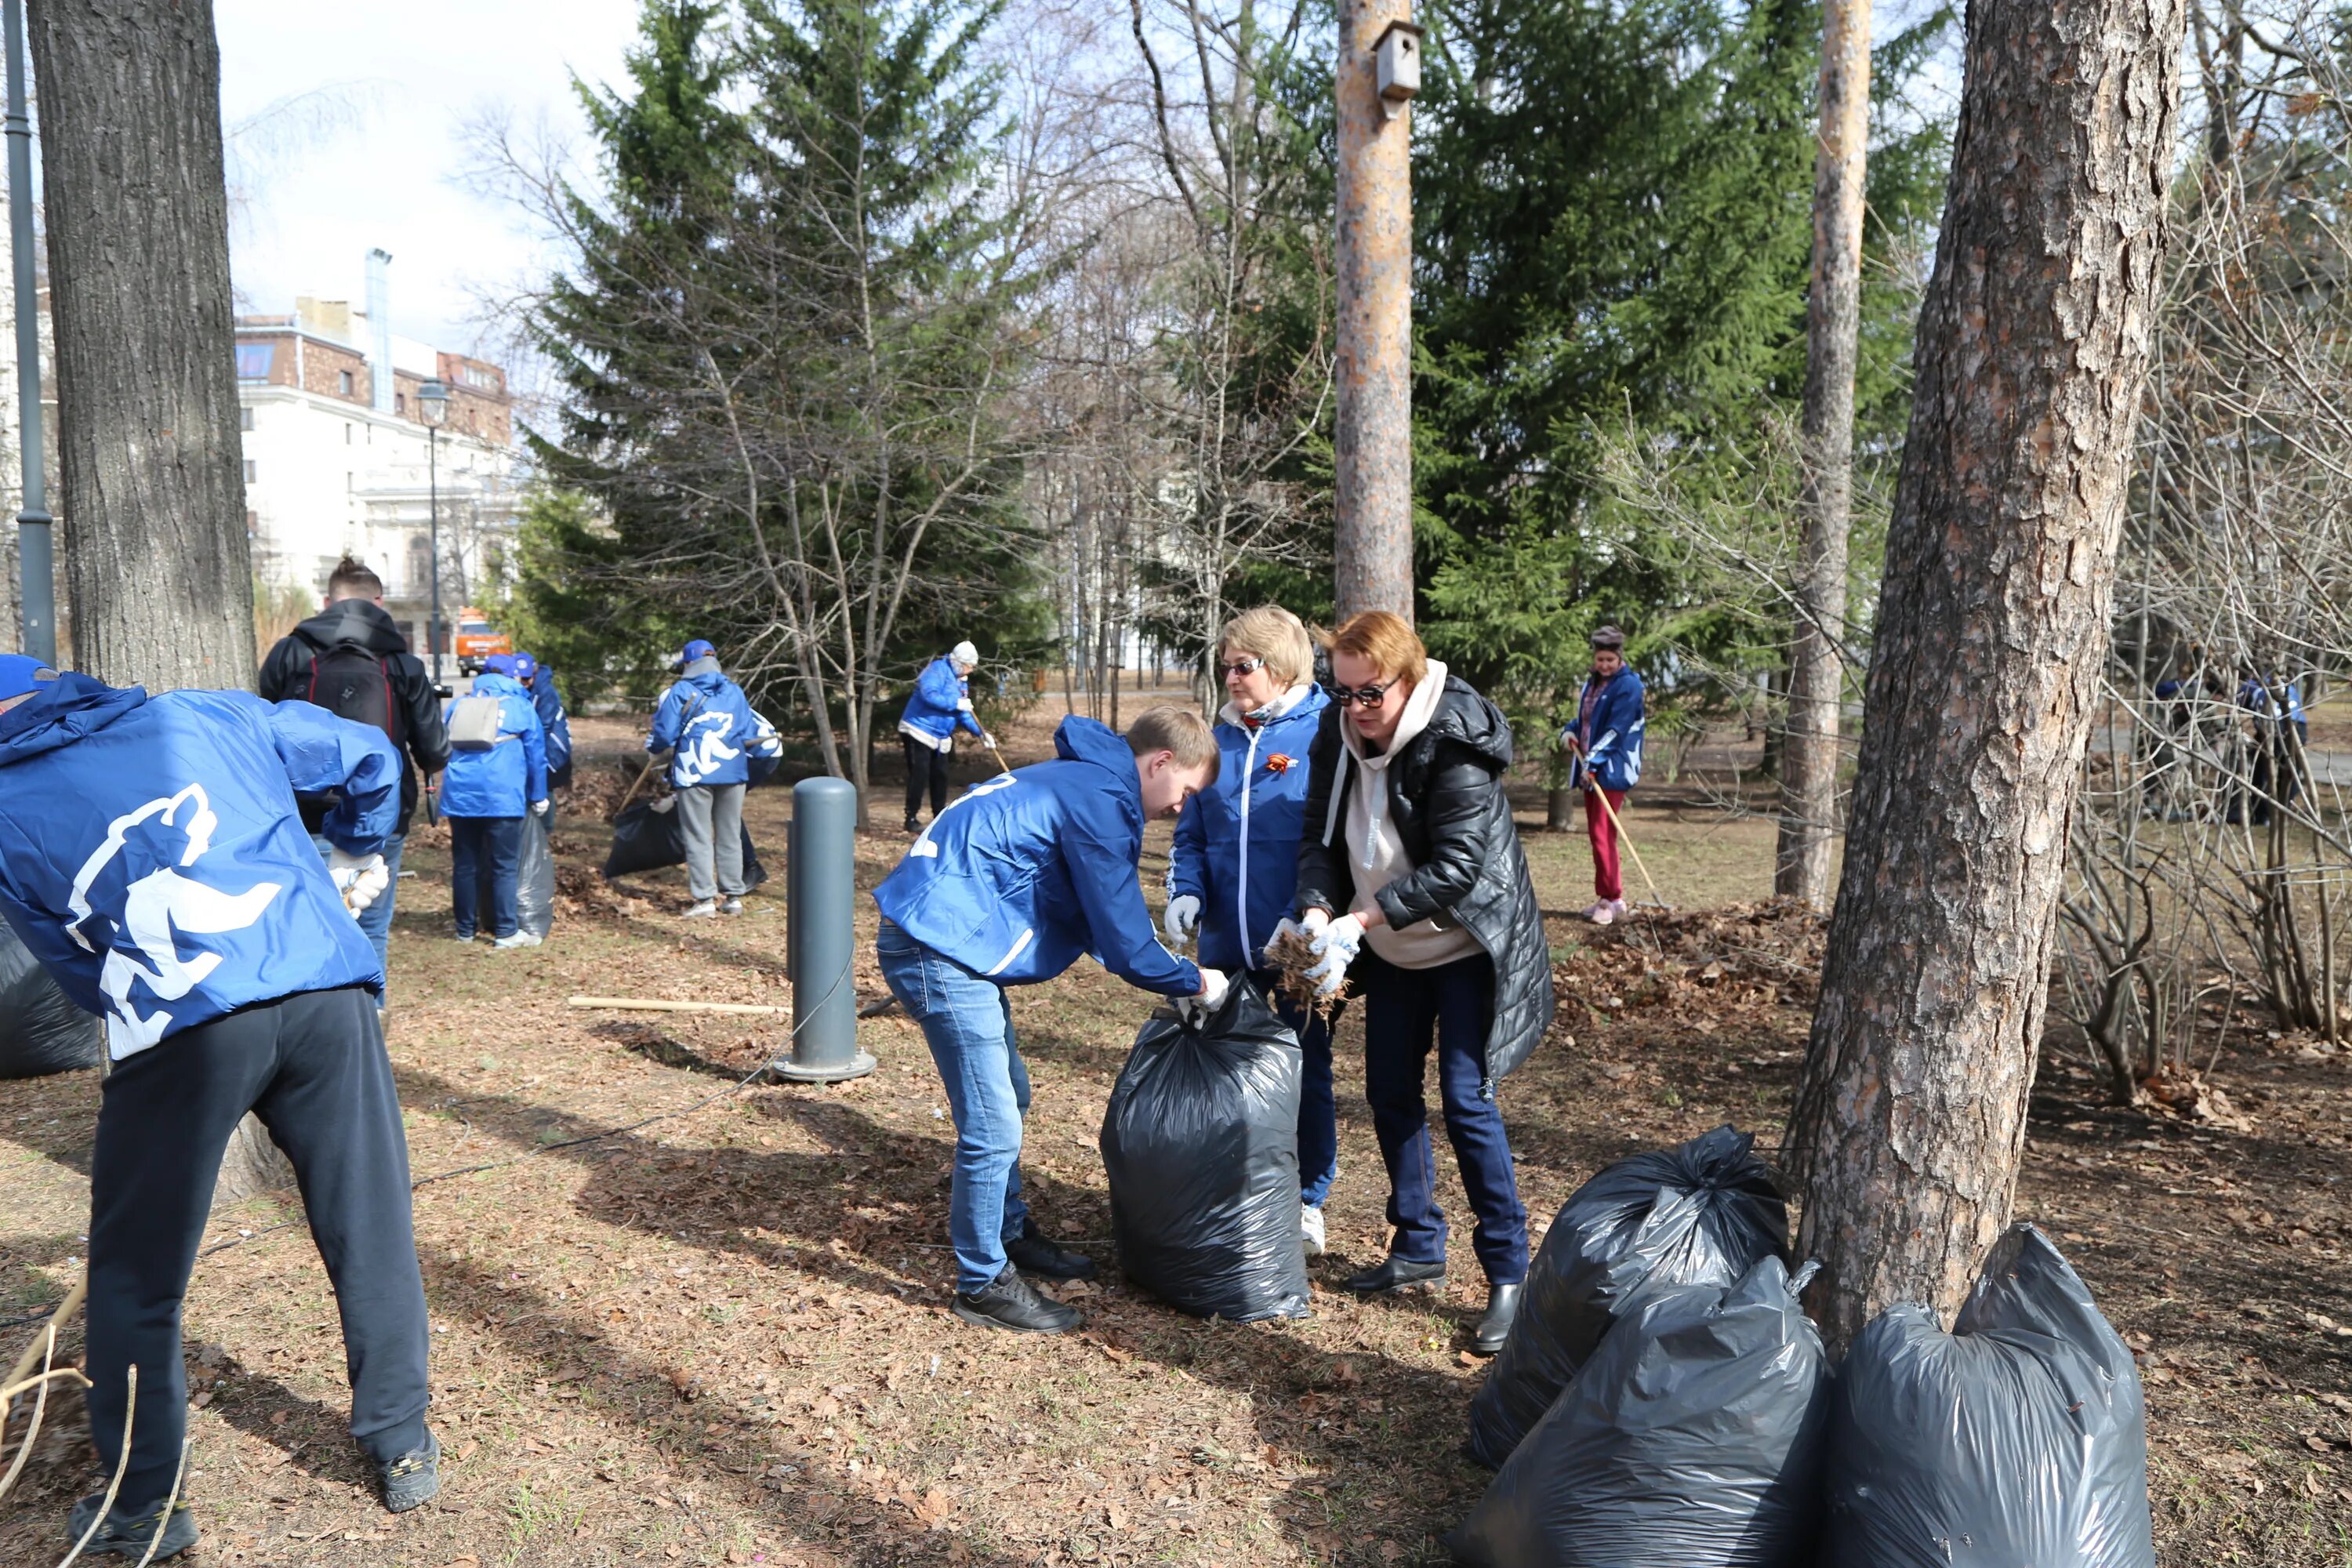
{"x":707,"y":724}
{"x":1007,"y":887}
{"x":1606,"y":742}
{"x":485,"y":794}
{"x":940,"y":705}
{"x":1234,"y":864}
{"x":152,"y":858}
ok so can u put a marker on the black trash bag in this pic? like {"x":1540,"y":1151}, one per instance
{"x":534,"y":880}
{"x":1694,"y":1437}
{"x":41,"y":1032}
{"x":2018,"y":1440}
{"x":1201,"y":1143}
{"x":648,"y":837}
{"x":1703,"y":1214}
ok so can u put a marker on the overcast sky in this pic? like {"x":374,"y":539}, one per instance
{"x":385,"y":168}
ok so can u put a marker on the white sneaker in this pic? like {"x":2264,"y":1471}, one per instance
{"x":519,"y":938}
{"x":706,"y":910}
{"x":732,"y":907}
{"x":1603,"y":913}
{"x":1311,"y":1229}
{"x":1620,"y":907}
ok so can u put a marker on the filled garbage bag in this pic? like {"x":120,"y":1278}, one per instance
{"x":2018,"y":1440}
{"x":41,"y":1031}
{"x":1703,"y":1214}
{"x":1201,"y":1143}
{"x":648,"y":836}
{"x":1693,"y":1437}
{"x":534,"y":878}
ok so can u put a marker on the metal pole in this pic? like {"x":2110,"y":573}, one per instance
{"x":820,"y":894}
{"x":1372,"y":537}
{"x":432,"y":502}
{"x":36,"y":563}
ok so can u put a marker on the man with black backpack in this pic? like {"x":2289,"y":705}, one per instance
{"x":350,"y":659}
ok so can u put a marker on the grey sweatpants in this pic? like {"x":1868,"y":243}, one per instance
{"x":712,"y":817}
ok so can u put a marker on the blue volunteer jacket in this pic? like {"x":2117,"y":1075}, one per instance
{"x":708,"y":723}
{"x":554,"y":724}
{"x":1257,"y":802}
{"x":939,"y":704}
{"x":1612,"y":740}
{"x":1021,"y":874}
{"x":152,"y":859}
{"x":506,"y":779}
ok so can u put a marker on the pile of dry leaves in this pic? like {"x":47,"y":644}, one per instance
{"x":1700,"y":962}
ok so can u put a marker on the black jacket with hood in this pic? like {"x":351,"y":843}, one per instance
{"x":423,"y":740}
{"x":1447,"y":806}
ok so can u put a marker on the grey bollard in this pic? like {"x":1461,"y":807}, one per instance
{"x":820,"y":894}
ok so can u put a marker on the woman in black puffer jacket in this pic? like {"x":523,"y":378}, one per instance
{"x":1409,"y":842}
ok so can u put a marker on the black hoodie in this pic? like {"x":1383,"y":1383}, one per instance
{"x":422,"y":740}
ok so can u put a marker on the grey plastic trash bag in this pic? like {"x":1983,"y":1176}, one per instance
{"x":2018,"y":1440}
{"x":1201,"y":1143}
{"x":1703,"y":1214}
{"x":534,"y":880}
{"x":41,"y":1031}
{"x":1692,"y":1437}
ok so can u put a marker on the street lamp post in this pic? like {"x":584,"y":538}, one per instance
{"x":432,"y":408}
{"x":37,"y":592}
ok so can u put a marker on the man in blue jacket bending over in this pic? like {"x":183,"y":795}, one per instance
{"x":1007,"y":887}
{"x":152,"y":858}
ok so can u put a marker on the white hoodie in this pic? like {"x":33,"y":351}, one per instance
{"x":1375,"y":854}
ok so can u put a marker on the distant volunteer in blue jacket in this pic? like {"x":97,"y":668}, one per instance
{"x":1008,"y":885}
{"x":940,"y":705}
{"x":1234,"y":865}
{"x":556,"y":724}
{"x":485,"y":792}
{"x":153,"y":859}
{"x":707,"y":724}
{"x":1606,"y":742}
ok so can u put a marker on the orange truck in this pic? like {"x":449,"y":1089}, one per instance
{"x":476,"y":640}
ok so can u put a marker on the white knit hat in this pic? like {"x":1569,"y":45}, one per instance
{"x":964,"y":654}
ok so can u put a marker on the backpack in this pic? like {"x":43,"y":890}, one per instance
{"x":352,"y":683}
{"x":474,"y":723}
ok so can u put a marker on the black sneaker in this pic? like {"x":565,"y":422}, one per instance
{"x":1036,"y":1254}
{"x":412,"y":1479}
{"x":1011,"y":1302}
{"x":913,"y":826}
{"x":1502,"y":1310}
{"x":129,"y":1534}
{"x":1395,"y":1273}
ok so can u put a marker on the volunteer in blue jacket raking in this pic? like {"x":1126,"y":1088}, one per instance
{"x":1606,"y":740}
{"x":1008,"y":885}
{"x":1234,"y":864}
{"x":706,"y":725}
{"x":153,"y":859}
{"x":940,"y":705}
{"x":540,"y":681}
{"x":485,"y":793}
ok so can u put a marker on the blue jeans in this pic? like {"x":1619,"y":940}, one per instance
{"x":376,"y":920}
{"x":480,"y":843}
{"x":1319,"y":1112}
{"x":968,"y":1022}
{"x":1403,"y":1008}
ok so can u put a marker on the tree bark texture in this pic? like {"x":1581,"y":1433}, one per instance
{"x":1833,"y":323}
{"x":2033,"y":348}
{"x":157,"y":559}
{"x":1372,"y":549}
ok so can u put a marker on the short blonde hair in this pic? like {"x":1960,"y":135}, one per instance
{"x":1179,"y":731}
{"x":1388,"y":640}
{"x":1275,"y":635}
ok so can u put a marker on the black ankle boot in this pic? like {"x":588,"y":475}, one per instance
{"x":1395,"y":1273}
{"x":1038,"y":1253}
{"x":1502,"y":1310}
{"x":1011,"y":1302}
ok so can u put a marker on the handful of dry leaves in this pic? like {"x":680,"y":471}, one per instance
{"x":1293,"y":954}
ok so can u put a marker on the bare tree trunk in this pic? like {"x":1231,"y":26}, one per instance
{"x":156,"y":555}
{"x":131,"y":162}
{"x":1992,"y":634}
{"x":1833,"y":323}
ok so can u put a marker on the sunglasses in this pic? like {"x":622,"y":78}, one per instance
{"x":1236,"y":671}
{"x":1369,"y":694}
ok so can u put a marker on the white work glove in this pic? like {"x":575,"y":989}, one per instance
{"x":360,"y":879}
{"x":1336,"y":946}
{"x":1281,"y":928}
{"x":538,"y":808}
{"x":1314,"y":920}
{"x":1213,"y":986}
{"x":1181,"y":918}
